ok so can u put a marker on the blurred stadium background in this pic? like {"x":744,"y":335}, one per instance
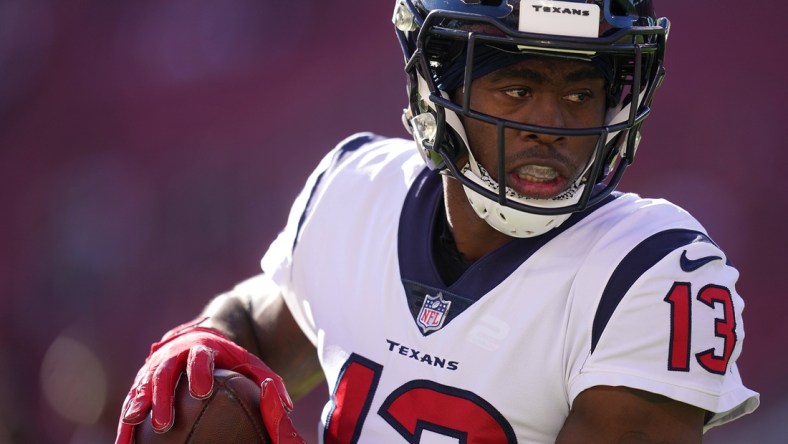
{"x":149,"y":152}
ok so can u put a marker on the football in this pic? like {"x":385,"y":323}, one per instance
{"x":230,"y":415}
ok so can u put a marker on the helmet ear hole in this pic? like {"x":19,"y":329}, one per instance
{"x":456,"y":146}
{"x":613,"y":152}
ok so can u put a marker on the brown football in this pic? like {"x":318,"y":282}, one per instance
{"x":230,"y":415}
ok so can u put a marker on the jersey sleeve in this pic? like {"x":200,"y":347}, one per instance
{"x":278,"y":260}
{"x":669,"y":321}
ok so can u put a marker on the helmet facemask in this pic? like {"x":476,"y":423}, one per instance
{"x":446,"y":50}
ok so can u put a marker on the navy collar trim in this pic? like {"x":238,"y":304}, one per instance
{"x":415,"y":253}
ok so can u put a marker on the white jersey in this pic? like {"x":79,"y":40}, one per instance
{"x":629,"y":293}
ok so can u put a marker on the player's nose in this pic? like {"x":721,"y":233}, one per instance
{"x":546,"y":113}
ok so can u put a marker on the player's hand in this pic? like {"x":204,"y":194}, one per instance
{"x":275,"y":415}
{"x":198,"y":350}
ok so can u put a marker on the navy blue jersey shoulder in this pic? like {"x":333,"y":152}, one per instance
{"x":345,"y":147}
{"x":418,"y":271}
{"x":644,"y":256}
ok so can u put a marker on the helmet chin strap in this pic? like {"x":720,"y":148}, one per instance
{"x":513,"y":222}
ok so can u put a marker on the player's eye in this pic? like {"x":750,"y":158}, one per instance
{"x":517,"y":93}
{"x":578,"y":97}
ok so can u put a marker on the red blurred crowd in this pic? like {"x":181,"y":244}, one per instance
{"x":149,"y":152}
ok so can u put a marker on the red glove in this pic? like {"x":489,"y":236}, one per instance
{"x":198,"y":350}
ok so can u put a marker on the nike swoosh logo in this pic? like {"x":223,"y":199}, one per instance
{"x":689,"y":265}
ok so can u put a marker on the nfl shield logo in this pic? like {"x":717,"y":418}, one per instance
{"x":433,"y":313}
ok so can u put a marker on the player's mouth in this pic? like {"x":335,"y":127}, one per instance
{"x":537,"y":181}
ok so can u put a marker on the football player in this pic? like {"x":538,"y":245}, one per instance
{"x":504,"y":292}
